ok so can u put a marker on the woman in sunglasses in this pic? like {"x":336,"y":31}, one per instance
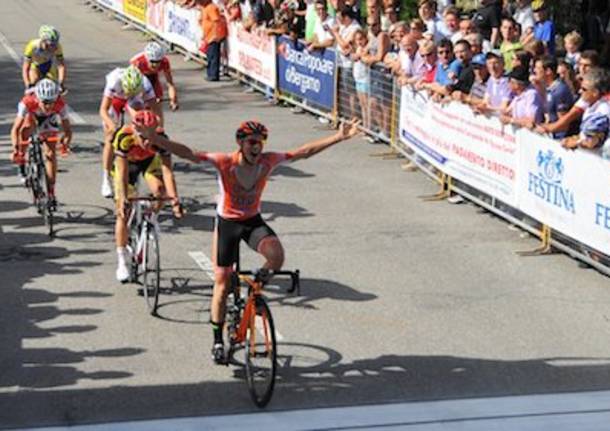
{"x":242,"y":176}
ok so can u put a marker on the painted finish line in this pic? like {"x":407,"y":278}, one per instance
{"x":585,"y":411}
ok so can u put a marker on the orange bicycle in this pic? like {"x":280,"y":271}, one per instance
{"x":250,"y":325}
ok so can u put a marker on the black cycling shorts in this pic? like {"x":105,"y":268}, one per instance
{"x":231,"y":232}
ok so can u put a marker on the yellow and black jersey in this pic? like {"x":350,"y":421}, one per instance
{"x":125,"y":145}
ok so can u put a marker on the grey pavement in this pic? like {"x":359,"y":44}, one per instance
{"x":402,"y":300}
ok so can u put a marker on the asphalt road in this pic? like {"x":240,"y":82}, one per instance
{"x":402,"y":300}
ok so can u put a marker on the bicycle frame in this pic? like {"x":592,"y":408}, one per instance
{"x":255,"y":289}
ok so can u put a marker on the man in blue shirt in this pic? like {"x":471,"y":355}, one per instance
{"x":544,"y":29}
{"x":559,"y":98}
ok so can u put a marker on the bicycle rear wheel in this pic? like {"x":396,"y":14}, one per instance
{"x":261,"y":354}
{"x":151,"y":279}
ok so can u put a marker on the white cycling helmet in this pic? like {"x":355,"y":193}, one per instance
{"x":154,"y":52}
{"x":47,"y":90}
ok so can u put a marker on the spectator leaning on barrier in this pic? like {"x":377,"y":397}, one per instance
{"x":427,"y":69}
{"x":497,"y":93}
{"x":447,"y":70}
{"x":379,"y":43}
{"x":559,"y":98}
{"x":361,"y":74}
{"x":465,"y":78}
{"x":479,"y":86}
{"x":526,"y":108}
{"x":487,"y":20}
{"x":596,"y":117}
{"x":322,"y":36}
{"x":566,"y":73}
{"x":410,"y":60}
{"x":588,"y":60}
{"x":214,"y":29}
{"x":510,"y":42}
{"x":344,"y":37}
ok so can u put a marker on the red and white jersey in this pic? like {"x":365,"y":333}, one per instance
{"x":114,"y":89}
{"x":141,"y":62}
{"x":241,"y":187}
{"x":30,"y":104}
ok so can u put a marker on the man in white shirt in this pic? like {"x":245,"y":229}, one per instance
{"x":524,"y":17}
{"x":322,"y":35}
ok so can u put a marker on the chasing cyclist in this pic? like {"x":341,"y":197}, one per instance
{"x":135,"y":156}
{"x":44,"y":58}
{"x":126,"y":90}
{"x":43,"y":110}
{"x":151,"y":63}
{"x":243,"y":175}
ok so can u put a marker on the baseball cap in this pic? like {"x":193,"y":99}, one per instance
{"x":479,"y":60}
{"x":520,"y":74}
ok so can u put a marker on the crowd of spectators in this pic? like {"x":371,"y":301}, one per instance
{"x":504,"y":58}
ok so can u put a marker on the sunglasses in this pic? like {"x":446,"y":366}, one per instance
{"x":253,"y":141}
{"x":48,"y":102}
{"x":427,"y":54}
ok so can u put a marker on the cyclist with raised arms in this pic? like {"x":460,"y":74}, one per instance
{"x":126,"y":90}
{"x":135,"y":156}
{"x":43,"y":58}
{"x":243,"y":175}
{"x":42,"y":110}
{"x":152,"y":62}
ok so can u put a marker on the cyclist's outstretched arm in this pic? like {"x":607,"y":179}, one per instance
{"x":347,"y":130}
{"x":173,"y":147}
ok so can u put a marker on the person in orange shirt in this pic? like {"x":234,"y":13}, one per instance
{"x":214,"y":28}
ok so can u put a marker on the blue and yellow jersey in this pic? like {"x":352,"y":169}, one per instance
{"x":34,"y":53}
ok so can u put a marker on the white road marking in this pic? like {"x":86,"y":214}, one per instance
{"x":550,"y":412}
{"x":5,"y":43}
{"x":204,"y":262}
{"x":75,"y":118}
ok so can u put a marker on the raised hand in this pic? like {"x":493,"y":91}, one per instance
{"x":349,"y":129}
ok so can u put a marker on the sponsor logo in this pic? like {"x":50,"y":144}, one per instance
{"x":180,"y":26}
{"x":546,"y":183}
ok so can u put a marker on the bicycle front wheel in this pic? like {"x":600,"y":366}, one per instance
{"x":261,"y":354}
{"x":47,"y":211}
{"x":151,"y":264}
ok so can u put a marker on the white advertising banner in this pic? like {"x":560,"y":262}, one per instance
{"x":116,"y":5}
{"x":253,"y":53}
{"x":566,"y":190}
{"x":475,"y":149}
{"x":181,"y":27}
{"x":155,"y":16}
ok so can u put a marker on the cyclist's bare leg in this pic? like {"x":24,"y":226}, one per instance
{"x":34,"y":74}
{"x":272,"y":250}
{"x":50,"y":164}
{"x":108,"y":153}
{"x":222,"y":283}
